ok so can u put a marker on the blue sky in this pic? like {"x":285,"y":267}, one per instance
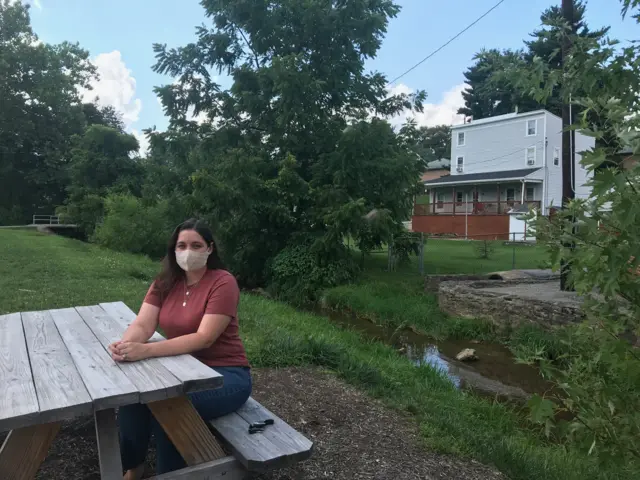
{"x":119,"y":35}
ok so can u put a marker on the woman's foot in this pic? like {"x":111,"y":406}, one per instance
{"x":134,"y":473}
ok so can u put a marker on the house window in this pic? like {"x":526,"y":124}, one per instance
{"x":532,"y":128}
{"x":556,"y":156}
{"x":511,"y":194}
{"x":459,"y":198}
{"x":461,"y":139}
{"x":460,"y":164}
{"x":529,"y":194}
{"x":531,"y":155}
{"x":440,"y":199}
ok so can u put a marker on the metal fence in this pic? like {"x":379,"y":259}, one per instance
{"x":487,"y":249}
{"x":45,"y":220}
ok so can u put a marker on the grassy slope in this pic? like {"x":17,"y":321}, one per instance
{"x":398,"y":299}
{"x":38,"y":272}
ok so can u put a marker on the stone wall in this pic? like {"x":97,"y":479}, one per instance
{"x":468,"y":299}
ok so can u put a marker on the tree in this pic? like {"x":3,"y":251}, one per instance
{"x":491,"y":91}
{"x":546,"y":42}
{"x":100,"y":164}
{"x":596,"y":381}
{"x":107,"y":116}
{"x":434,"y":143}
{"x":40,"y":112}
{"x":489,"y":94}
{"x":263,"y":160}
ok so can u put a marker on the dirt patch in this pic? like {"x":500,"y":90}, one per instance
{"x":355,"y":437}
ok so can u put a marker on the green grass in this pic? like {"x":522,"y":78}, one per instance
{"x":39,"y":272}
{"x":397,"y":298}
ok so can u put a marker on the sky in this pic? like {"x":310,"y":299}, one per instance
{"x":119,"y":35}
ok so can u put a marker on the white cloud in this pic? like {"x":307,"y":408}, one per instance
{"x":142,"y":140}
{"x":116,"y":87}
{"x":443,"y":113}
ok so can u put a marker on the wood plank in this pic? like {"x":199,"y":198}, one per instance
{"x":151,"y":378}
{"x":60,"y":390}
{"x":255,"y":452}
{"x":18,"y":400}
{"x":105,"y":382}
{"x":277,"y":446}
{"x":187,"y":430}
{"x":108,"y":445}
{"x":194,"y":375}
{"x":288,"y":439}
{"x":227,"y":468}
{"x":25,"y":449}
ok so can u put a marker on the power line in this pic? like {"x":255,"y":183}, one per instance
{"x":448,"y":42}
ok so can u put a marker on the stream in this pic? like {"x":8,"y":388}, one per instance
{"x":494,"y":374}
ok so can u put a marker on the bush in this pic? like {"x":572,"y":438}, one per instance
{"x":130,"y":225}
{"x":484,"y":249}
{"x":298,"y":274}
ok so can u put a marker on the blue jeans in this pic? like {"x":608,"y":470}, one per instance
{"x":137,"y":423}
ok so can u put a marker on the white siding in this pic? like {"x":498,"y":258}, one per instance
{"x":582,"y":176}
{"x":553,"y":173}
{"x":498,"y":146}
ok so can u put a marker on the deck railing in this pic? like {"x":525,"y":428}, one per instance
{"x":472,"y":208}
{"x":46,"y":220}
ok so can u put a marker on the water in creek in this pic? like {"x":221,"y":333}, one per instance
{"x":495,"y":373}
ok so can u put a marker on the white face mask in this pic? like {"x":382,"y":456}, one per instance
{"x":189,"y":260}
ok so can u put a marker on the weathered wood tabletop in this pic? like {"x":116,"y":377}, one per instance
{"x":54,"y":365}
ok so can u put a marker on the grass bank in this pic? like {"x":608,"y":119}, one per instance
{"x":38,"y":272}
{"x":397,"y":298}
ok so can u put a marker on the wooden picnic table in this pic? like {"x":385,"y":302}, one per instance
{"x":54,"y":366}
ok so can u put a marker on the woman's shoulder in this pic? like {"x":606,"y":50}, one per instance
{"x":219,"y":275}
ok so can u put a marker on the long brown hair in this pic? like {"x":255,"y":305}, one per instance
{"x":171,"y":272}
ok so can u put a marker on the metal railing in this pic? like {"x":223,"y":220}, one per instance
{"x":472,"y":208}
{"x":46,"y":220}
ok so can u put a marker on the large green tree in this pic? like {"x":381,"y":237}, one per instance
{"x":100,"y":163}
{"x":433,"y":143}
{"x":40,"y":110}
{"x":599,"y":237}
{"x":489,"y":94}
{"x":300,"y":93}
{"x":490,"y":89}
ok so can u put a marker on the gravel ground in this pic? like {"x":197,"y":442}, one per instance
{"x":355,"y":437}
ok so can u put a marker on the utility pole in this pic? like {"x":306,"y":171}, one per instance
{"x":568,"y":137}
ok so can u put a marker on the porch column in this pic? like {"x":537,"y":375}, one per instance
{"x":433,"y":204}
{"x":454,"y":200}
{"x":524,"y":187}
{"x":498,"y":194}
{"x":476,"y":198}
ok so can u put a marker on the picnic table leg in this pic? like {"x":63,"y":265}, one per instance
{"x":108,"y":444}
{"x":24,"y":450}
{"x":187,"y":430}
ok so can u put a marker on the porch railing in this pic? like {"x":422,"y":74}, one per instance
{"x":472,"y":208}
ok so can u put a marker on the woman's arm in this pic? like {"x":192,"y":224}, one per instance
{"x":144,"y":325}
{"x":139,"y":331}
{"x":211,"y":327}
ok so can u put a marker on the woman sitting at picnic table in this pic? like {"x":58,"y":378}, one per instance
{"x":195,"y":302}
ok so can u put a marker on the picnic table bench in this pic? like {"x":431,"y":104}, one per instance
{"x":54,"y":366}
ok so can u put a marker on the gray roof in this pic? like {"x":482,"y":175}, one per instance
{"x":439,"y":164}
{"x":484,"y":176}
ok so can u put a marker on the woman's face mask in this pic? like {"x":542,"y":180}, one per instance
{"x":192,"y":251}
{"x":190,"y":260}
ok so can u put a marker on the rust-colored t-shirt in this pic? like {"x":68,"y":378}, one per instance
{"x":217,"y":292}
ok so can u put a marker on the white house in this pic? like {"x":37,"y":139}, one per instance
{"x":499,"y":164}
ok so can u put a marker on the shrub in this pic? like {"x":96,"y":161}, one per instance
{"x":129,"y":225}
{"x":484,"y":249}
{"x":298,"y":274}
